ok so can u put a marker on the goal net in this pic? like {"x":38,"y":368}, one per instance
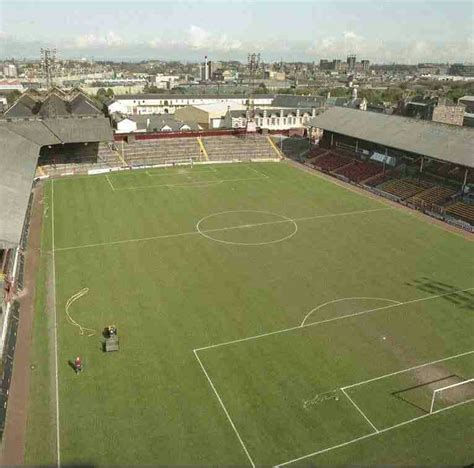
{"x":451,"y":395}
{"x":179,"y":161}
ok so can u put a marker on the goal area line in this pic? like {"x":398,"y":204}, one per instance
{"x":367,"y":436}
{"x":375,"y":430}
{"x":201,"y":169}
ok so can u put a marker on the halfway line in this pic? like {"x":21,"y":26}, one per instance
{"x":242,"y":226}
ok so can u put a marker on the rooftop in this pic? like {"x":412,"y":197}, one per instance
{"x":440,"y":141}
{"x":21,"y":141}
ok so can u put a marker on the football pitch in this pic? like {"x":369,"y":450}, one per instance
{"x":266,"y":316}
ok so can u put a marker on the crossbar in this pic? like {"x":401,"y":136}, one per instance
{"x":447,"y":388}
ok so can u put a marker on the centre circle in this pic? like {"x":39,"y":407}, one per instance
{"x":254,"y":227}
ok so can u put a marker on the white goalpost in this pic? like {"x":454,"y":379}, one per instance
{"x":437,"y":393}
{"x":179,"y":161}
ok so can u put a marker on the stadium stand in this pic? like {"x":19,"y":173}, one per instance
{"x":432,"y":196}
{"x":21,"y":142}
{"x":315,"y":152}
{"x":234,"y":148}
{"x":160,"y":151}
{"x":464,"y":211}
{"x":331,"y":161}
{"x":404,"y":188}
{"x":77,"y":158}
{"x":379,"y":179}
{"x":359,"y":171}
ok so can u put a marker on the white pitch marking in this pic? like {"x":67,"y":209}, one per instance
{"x":372,"y":434}
{"x":210,"y":182}
{"x":184,"y":171}
{"x":345,"y":299}
{"x":299,"y":327}
{"x":225,"y":409}
{"x":359,"y":410}
{"x":166,"y":236}
{"x":284,"y":220}
{"x":408,"y":369}
{"x":56,"y":368}
{"x":110,"y":182}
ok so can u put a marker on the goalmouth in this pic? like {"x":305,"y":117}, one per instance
{"x":451,"y":395}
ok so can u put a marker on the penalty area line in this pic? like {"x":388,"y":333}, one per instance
{"x":359,"y":410}
{"x":372,"y":434}
{"x":191,"y":184}
{"x":219,"y":399}
{"x":334,"y":319}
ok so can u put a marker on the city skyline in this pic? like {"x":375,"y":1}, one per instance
{"x":382,"y":32}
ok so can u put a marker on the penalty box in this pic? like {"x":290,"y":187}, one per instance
{"x":182,"y":176}
{"x":306,"y":391}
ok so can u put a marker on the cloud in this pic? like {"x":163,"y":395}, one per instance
{"x":93,"y":41}
{"x":350,"y":35}
{"x":380,"y":51}
{"x":195,"y":41}
{"x":198,"y":39}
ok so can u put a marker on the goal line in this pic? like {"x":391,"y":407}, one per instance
{"x":447,"y":388}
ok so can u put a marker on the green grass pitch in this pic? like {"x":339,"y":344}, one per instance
{"x":266,"y":316}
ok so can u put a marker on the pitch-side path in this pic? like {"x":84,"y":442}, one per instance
{"x":14,"y":438}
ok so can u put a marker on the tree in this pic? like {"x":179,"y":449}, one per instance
{"x":262,"y":89}
{"x":152,"y":89}
{"x":110,"y":93}
{"x":101,"y":95}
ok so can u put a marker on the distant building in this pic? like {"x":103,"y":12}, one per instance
{"x":9,"y":70}
{"x":436,"y":109}
{"x":333,"y":65}
{"x":150,"y":123}
{"x":468,"y":103}
{"x":365,"y":65}
{"x":207,"y":116}
{"x":432,"y":68}
{"x":448,"y":113}
{"x":274,"y":75}
{"x":270,"y":119}
{"x":461,"y":69}
{"x":351,"y":62}
{"x":207,"y":69}
{"x":136,"y":104}
{"x":7,"y":86}
{"x":166,"y":81}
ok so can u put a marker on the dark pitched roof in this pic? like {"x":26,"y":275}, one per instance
{"x":53,"y":106}
{"x":56,"y":103}
{"x":17,"y":169}
{"x":24,"y":106}
{"x":288,"y":100}
{"x":21,"y":141}
{"x":81,"y":105}
{"x":189,"y":96}
{"x":440,"y":141}
{"x":336,"y":101}
{"x":155,"y":122}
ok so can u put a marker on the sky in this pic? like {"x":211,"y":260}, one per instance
{"x":402,"y":31}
